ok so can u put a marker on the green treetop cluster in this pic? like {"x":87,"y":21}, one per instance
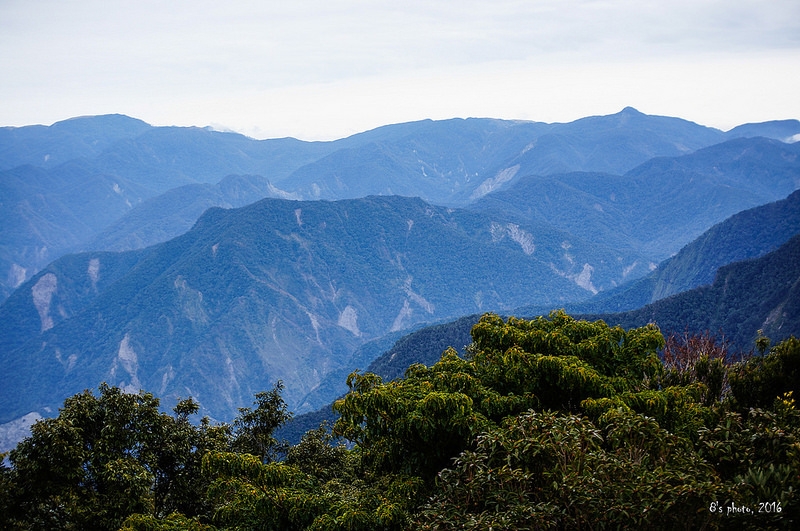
{"x":550,"y":423}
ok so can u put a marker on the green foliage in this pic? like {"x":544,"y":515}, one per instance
{"x":578,"y":425}
{"x":104,"y":458}
{"x":7,"y":488}
{"x":551,"y":423}
{"x":416,"y":424}
{"x":757,"y":456}
{"x":316,"y":455}
{"x":552,"y":471}
{"x":253,"y":428}
{"x":761,"y":379}
{"x":610,"y":351}
{"x":250,"y":494}
{"x":173,"y":522}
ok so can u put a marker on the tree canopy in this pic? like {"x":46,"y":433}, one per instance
{"x":549,"y":423}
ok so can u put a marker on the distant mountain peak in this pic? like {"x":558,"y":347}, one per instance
{"x":630,"y":111}
{"x":102,"y":120}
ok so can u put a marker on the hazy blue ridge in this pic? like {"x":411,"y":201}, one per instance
{"x":45,"y":213}
{"x":445,"y":162}
{"x":83,"y":137}
{"x":275,"y":290}
{"x":165,"y":157}
{"x":174,"y":212}
{"x":748,"y":234}
{"x":783,"y":130}
{"x":64,"y":185}
{"x":457,"y":161}
{"x":661,"y":205}
{"x":747,"y":296}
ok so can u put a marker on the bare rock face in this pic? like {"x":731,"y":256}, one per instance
{"x":42,"y":293}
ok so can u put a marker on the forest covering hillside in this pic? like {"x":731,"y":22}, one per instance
{"x":276,"y":290}
{"x":85,"y":334}
{"x":551,"y":423}
{"x":115,"y":164}
{"x":737,"y":314}
{"x":746,"y":297}
{"x":306,"y":291}
{"x":183,"y":273}
{"x":749,"y":234}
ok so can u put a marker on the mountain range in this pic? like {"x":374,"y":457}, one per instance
{"x":755,"y":253}
{"x":114,"y":167}
{"x":755,"y":249}
{"x":260,"y":293}
{"x":744,"y":272}
{"x":638,"y":210}
{"x":746,"y":298}
{"x":208,"y":264}
{"x":749,"y":234}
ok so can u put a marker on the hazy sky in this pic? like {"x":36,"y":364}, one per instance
{"x":322,"y":69}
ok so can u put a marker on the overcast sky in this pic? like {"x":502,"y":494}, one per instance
{"x":323,"y":69}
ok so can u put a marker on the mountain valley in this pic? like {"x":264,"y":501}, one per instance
{"x":118,"y":163}
{"x":190,"y":262}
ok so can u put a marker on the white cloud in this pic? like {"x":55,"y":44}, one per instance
{"x":314,"y":68}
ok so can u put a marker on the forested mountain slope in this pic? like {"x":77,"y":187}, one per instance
{"x":760,"y":293}
{"x":275,"y":290}
{"x":117,"y":162}
{"x":307,"y":283}
{"x":661,"y":205}
{"x":45,"y":213}
{"x":745,"y":297}
{"x":172,"y":213}
{"x":608,"y":211}
{"x":65,"y":184}
{"x":748,"y":234}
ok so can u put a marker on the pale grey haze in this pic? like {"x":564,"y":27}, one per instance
{"x":323,"y":69}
